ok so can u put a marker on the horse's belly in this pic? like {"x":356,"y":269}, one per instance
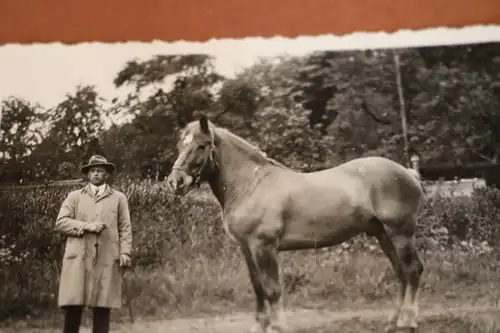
{"x":321,"y":232}
{"x":319,"y":214}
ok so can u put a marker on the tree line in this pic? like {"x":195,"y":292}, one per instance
{"x":308,"y":112}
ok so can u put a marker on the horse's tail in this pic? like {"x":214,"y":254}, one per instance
{"x":418,"y":177}
{"x":414,"y":173}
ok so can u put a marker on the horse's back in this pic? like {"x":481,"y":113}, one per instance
{"x":391,"y":189}
{"x":371,"y":169}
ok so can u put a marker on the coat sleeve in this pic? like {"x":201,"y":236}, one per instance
{"x":66,"y":223}
{"x":124,"y":226}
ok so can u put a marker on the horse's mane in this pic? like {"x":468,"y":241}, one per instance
{"x":246,"y":146}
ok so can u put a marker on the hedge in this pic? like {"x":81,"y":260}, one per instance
{"x":165,"y":227}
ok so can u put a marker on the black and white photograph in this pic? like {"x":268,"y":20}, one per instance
{"x":266,"y":185}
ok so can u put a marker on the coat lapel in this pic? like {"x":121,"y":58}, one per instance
{"x":107,"y":191}
{"x":88,"y":190}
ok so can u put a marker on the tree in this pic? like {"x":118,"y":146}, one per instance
{"x":192,"y":78}
{"x":76,"y":125}
{"x":21,"y":131}
{"x":169,"y":90}
{"x":259,"y":105}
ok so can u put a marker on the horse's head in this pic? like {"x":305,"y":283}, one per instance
{"x":195,"y":154}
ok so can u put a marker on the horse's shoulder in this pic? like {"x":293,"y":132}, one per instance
{"x":258,"y":206}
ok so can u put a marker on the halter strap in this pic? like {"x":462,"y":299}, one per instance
{"x":197,"y":176}
{"x":205,"y":163}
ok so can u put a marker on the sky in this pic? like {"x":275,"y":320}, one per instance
{"x":45,"y":73}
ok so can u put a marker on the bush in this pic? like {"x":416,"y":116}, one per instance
{"x":462,"y":220}
{"x":185,"y":236}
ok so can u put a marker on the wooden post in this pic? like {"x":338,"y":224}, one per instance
{"x":402,"y":107}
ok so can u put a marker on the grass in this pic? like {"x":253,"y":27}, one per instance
{"x":186,"y":265}
{"x":202,"y":286}
{"x":470,"y":323}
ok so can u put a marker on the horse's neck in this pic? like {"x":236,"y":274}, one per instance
{"x":240,"y":168}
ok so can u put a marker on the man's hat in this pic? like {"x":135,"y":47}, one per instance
{"x":98,"y":160}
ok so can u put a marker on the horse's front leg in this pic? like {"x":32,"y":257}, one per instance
{"x":265,"y":256}
{"x":260,"y":315}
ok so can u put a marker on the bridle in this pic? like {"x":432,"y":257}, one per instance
{"x":210,"y":157}
{"x":197,"y":176}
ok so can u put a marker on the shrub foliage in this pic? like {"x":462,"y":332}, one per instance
{"x":168,"y":231}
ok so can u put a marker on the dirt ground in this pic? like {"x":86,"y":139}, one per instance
{"x":433,"y":319}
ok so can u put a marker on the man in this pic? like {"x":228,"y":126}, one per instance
{"x":96,"y":221}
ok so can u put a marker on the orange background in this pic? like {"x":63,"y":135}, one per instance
{"x":70,"y":21}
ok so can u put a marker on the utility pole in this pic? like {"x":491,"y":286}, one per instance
{"x":402,"y":106}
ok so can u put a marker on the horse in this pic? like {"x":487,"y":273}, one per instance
{"x":268,"y":208}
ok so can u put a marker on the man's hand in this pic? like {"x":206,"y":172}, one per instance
{"x":125,"y":260}
{"x":80,"y":232}
{"x":95,"y":227}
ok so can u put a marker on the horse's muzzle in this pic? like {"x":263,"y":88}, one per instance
{"x":179,"y":182}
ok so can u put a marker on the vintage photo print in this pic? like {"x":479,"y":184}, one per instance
{"x":310,"y":184}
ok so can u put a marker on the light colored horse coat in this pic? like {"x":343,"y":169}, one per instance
{"x":268,"y":207}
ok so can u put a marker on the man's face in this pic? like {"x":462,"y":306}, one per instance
{"x":97,"y":175}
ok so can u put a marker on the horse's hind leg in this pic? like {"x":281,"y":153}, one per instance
{"x":391,"y":252}
{"x":409,"y":269}
{"x":413,"y":267}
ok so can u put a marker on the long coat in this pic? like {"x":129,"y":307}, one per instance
{"x":90,"y":274}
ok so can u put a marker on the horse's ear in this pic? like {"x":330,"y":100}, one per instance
{"x":204,"y":124}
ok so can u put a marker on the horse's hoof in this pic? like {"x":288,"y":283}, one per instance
{"x":274,"y":329}
{"x":409,"y":325}
{"x":390,"y":328}
{"x":407,"y":321}
{"x":257,"y":328}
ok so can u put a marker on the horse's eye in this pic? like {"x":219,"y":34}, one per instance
{"x":201,"y":147}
